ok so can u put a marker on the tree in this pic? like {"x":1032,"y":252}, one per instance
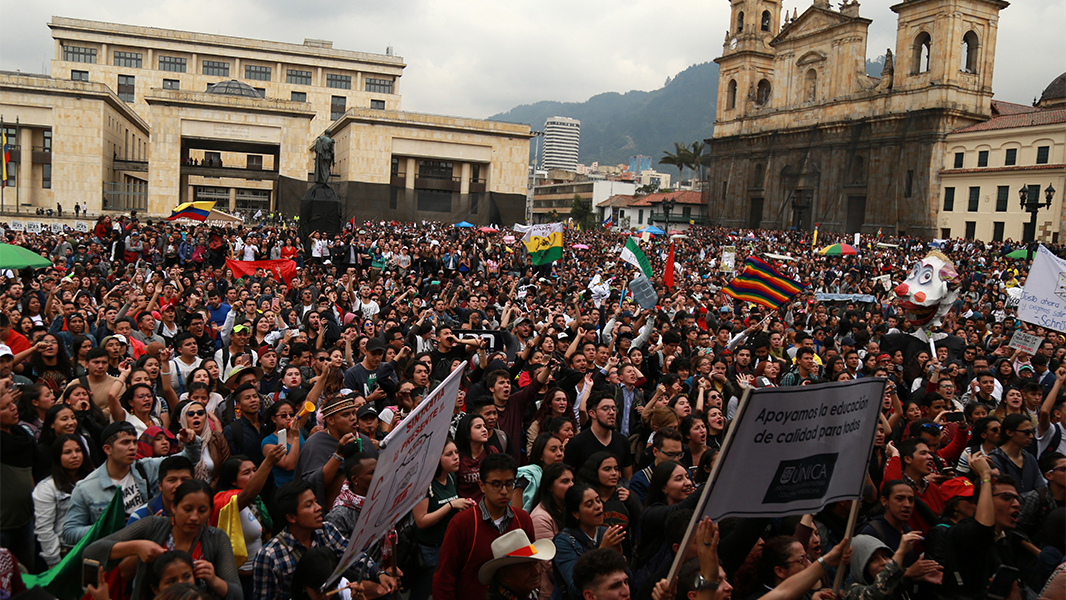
{"x":680,"y":158}
{"x":698,"y":161}
{"x":644,"y":190}
{"x":581,"y":211}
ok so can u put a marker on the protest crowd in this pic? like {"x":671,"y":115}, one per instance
{"x":204,"y":425}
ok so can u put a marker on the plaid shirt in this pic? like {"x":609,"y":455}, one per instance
{"x":275,"y":563}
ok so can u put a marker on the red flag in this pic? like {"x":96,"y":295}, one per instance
{"x":668,"y":276}
{"x":283,"y":270}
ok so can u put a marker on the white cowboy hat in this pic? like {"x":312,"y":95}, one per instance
{"x":514,"y":547}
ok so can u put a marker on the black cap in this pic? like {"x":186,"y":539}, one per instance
{"x":114,"y":428}
{"x":375,"y":344}
{"x":366,"y":410}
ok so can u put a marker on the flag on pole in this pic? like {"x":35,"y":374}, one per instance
{"x":609,"y":220}
{"x":761,"y":283}
{"x":197,"y":211}
{"x":668,"y":274}
{"x":6,"y":152}
{"x":632,"y":254}
{"x":879,"y":233}
{"x":544,"y":242}
{"x":814,"y":242}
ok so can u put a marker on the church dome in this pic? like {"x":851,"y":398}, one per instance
{"x":1054,"y":94}
{"x":234,"y":88}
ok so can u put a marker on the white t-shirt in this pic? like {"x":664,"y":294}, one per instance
{"x":131,"y":494}
{"x":1043,"y":441}
{"x":253,"y":537}
{"x":249,"y":252}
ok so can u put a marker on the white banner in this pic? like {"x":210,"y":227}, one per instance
{"x":858,"y":240}
{"x":405,"y":469}
{"x":796,"y":449}
{"x":1025,"y":342}
{"x":33,"y":227}
{"x":1044,"y":296}
{"x":17,"y":226}
{"x":57,"y":227}
{"x":81,"y":227}
{"x":729,"y":259}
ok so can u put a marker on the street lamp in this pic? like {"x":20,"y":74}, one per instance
{"x":668,"y":207}
{"x":1032,"y":205}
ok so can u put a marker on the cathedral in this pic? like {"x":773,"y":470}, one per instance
{"x":803,"y":135}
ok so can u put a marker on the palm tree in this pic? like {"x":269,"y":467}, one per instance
{"x":697,"y":160}
{"x":681,"y":158}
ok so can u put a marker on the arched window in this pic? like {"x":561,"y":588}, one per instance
{"x":969,"y":52}
{"x":765,"y":20}
{"x":731,"y":95}
{"x":810,"y":85}
{"x":759,"y":176}
{"x":922,"y":48}
{"x":762,"y":94}
{"x":740,"y":22}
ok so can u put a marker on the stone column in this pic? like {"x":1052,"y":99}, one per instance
{"x":464,"y":178}
{"x":25,"y":183}
{"x":192,"y":194}
{"x":409,"y":182}
{"x":232,"y":199}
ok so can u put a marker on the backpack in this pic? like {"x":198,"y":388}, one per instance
{"x":199,"y":254}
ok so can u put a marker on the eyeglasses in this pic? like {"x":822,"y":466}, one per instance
{"x":1008,"y":496}
{"x":803,"y":560}
{"x":1027,"y":432}
{"x":1058,"y":469}
{"x":672,"y":455}
{"x":500,"y":485}
{"x":196,"y":413}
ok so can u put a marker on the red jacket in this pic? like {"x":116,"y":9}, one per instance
{"x":467,"y":546}
{"x":931,"y":497}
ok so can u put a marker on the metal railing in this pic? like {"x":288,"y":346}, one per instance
{"x":678,"y":218}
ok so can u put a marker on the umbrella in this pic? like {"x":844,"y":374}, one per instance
{"x":17,"y":257}
{"x":580,"y":246}
{"x":1023,"y":253}
{"x":652,"y":230}
{"x":486,"y":229}
{"x":464,"y":224}
{"x":838,"y":250}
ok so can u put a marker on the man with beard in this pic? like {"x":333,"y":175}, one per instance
{"x":601,"y":436}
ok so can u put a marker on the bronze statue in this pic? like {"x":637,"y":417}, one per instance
{"x":323,"y":158}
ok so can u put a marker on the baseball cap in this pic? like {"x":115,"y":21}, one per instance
{"x":882,"y":357}
{"x":5,"y":350}
{"x":957,"y":487}
{"x":119,"y":337}
{"x":114,"y":428}
{"x":848,"y":341}
{"x":366,"y":410}
{"x":240,"y":328}
{"x":265,"y":349}
{"x":375,"y":345}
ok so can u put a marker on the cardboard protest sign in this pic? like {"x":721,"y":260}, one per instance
{"x":1025,"y":342}
{"x":405,"y":469}
{"x":1043,"y":299}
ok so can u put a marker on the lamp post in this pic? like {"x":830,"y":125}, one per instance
{"x":1032,"y":205}
{"x":668,"y":207}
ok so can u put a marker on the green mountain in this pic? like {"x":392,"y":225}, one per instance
{"x":616,"y":126}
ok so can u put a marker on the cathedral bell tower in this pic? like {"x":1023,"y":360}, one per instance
{"x":745,"y":69}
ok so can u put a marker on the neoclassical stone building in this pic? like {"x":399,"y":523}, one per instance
{"x":804,"y":136}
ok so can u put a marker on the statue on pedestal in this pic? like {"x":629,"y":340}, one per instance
{"x":323,"y":158}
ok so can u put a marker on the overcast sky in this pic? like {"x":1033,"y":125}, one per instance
{"x":479,"y":57}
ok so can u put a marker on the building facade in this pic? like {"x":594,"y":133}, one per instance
{"x":637,"y":212}
{"x":804,"y":136}
{"x":558,"y":198}
{"x":986,"y":166}
{"x":562,"y":143}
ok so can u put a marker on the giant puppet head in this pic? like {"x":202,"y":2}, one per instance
{"x":929,"y":291}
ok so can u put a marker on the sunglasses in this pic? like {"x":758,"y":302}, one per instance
{"x":196,"y":413}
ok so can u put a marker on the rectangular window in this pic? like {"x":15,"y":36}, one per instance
{"x":340,"y":82}
{"x":436,"y":169}
{"x":395,"y":171}
{"x":949,"y":199}
{"x":997,"y":231}
{"x":212,"y":159}
{"x":79,"y":54}
{"x":377,"y":104}
{"x":379,"y":86}
{"x":299,"y":96}
{"x":171,"y":84}
{"x":46,"y":139}
{"x":909,"y":190}
{"x":958,"y":160}
{"x":262,"y":92}
{"x":686,"y":212}
{"x":126,"y":87}
{"x":640,"y":217}
{"x":257,"y":72}
{"x":971,"y":229}
{"x":982,"y":158}
{"x":128,"y":59}
{"x":1002,"y":192}
{"x":255,"y":161}
{"x":975,"y":199}
{"x":79,"y":76}
{"x":945,"y":233}
{"x":337,"y":107}
{"x":46,"y":176}
{"x":1042,"y":154}
{"x":298,"y":77}
{"x":216,"y":68}
{"x":174,"y":64}
{"x":1011,"y":157}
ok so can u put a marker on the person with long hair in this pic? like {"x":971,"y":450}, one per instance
{"x":547,"y":450}
{"x":240,"y":478}
{"x":203,"y":375}
{"x":1012,"y":457}
{"x":767,"y":373}
{"x":669,"y":490}
{"x":548,"y":514}
{"x":281,"y":416}
{"x":584,"y":531}
{"x":61,"y":420}
{"x":51,"y":497}
{"x":81,"y":346}
{"x":192,"y":414}
{"x":694,"y":430}
{"x":780,"y":569}
{"x":33,"y":405}
{"x":432,"y":515}
{"x":983,"y":440}
{"x":1013,"y":403}
{"x":471,"y":437}
{"x":716,"y":428}
{"x":188,"y":530}
{"x":620,"y":506}
{"x":555,"y":404}
{"x":135,"y":405}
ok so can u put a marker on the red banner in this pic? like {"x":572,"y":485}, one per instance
{"x":283,"y":270}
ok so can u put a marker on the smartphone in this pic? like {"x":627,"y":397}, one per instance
{"x":282,"y":438}
{"x":1002,"y":583}
{"x":90,"y":573}
{"x":954,"y":417}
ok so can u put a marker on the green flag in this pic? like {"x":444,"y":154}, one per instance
{"x":64,"y":579}
{"x":632,"y":254}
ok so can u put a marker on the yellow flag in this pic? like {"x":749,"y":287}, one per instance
{"x":229,"y":521}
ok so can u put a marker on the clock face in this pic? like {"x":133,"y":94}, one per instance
{"x":733,"y":44}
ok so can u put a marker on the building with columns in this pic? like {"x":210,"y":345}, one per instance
{"x":180,"y":116}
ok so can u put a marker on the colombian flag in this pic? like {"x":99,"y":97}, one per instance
{"x":197,"y":211}
{"x":5,"y":157}
{"x":762,"y":284}
{"x":544,"y":242}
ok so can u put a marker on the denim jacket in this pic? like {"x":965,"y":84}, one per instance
{"x":92,"y":494}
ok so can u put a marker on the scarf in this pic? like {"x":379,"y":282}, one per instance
{"x":349,"y":498}
{"x":200,"y":470}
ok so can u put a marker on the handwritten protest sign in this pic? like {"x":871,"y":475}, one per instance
{"x":1043,"y":299}
{"x":1025,"y":342}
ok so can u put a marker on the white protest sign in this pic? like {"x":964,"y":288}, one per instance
{"x":18,"y":226}
{"x":405,"y":469}
{"x":1025,"y":342}
{"x":57,"y":228}
{"x":81,"y":227}
{"x":858,"y":239}
{"x":884,"y":280}
{"x":729,"y":259}
{"x":795,"y":450}
{"x":1043,"y":299}
{"x":33,"y":227}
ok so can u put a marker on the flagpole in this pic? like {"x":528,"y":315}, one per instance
{"x":18,"y":180}
{"x":3,"y":153}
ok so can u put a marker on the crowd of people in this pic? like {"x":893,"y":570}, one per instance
{"x":140,"y":367}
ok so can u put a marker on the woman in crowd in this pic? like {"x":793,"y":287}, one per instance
{"x":547,"y":450}
{"x":584,"y":531}
{"x":602,"y":472}
{"x":433,"y":513}
{"x":983,"y":440}
{"x":281,"y":416}
{"x":202,"y":374}
{"x":556,"y":404}
{"x":188,"y":530}
{"x":716,"y":428}
{"x":48,"y":363}
{"x":694,"y":430}
{"x":135,"y":406}
{"x":669,"y":490}
{"x":214,"y":449}
{"x":1013,"y":404}
{"x":51,"y":497}
{"x":471,"y":437}
{"x":34,"y":404}
{"x":548,"y":514}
